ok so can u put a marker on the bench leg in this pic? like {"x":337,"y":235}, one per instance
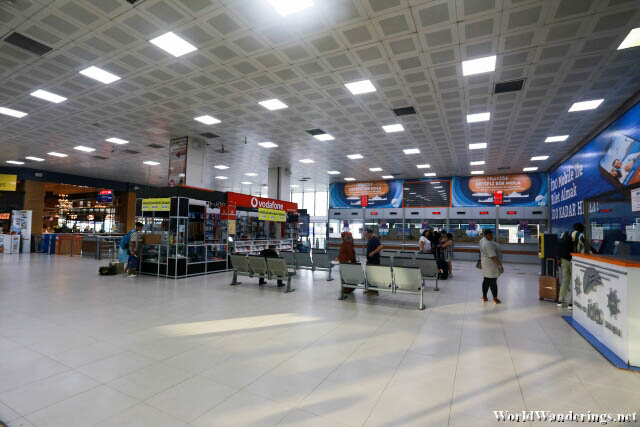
{"x":437,"y":288}
{"x":288,"y":288}
{"x":342,"y":295}
{"x":421,"y":304}
{"x":235,"y":279}
{"x":330,"y":278}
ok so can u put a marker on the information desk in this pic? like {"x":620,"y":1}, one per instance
{"x":606,"y":302}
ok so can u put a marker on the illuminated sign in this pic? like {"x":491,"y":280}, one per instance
{"x":484,"y":213}
{"x":497,"y":197}
{"x":275,"y":215}
{"x":373,"y":212}
{"x":511,"y":212}
{"x":436,"y":212}
{"x":156,"y":204}
{"x":8,"y":182}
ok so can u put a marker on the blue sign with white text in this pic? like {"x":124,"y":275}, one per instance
{"x":517,"y":190}
{"x":380,"y":194}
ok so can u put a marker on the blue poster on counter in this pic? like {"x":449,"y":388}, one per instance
{"x":380,"y":194}
{"x":518,"y":190}
{"x":609,"y":161}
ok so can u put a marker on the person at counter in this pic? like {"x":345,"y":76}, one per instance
{"x":269,"y":252}
{"x":374,"y":247}
{"x":565,"y":247}
{"x":491,"y":265}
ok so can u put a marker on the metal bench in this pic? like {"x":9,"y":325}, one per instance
{"x":351,"y":276}
{"x":428,"y":269}
{"x":409,"y":280}
{"x":333,"y":254}
{"x":278,"y":270}
{"x":240,"y":267}
{"x":379,"y":277}
{"x":258,"y":266}
{"x":386,"y":261}
{"x":321,"y":261}
{"x":290,"y":259}
{"x":403,"y":262}
{"x":303,"y":260}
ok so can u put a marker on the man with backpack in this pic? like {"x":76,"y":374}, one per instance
{"x":570,"y":242}
{"x":129,"y":244}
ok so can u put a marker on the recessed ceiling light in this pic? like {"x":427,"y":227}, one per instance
{"x":424,"y":166}
{"x":333,"y":172}
{"x":354,"y":156}
{"x":246,"y":183}
{"x":15,"y":162}
{"x":393,"y":128}
{"x":273,"y":104}
{"x":558,"y":138}
{"x":35,"y":159}
{"x":48,"y":96}
{"x":99,"y":75}
{"x":586,"y":105}
{"x":477,"y":172}
{"x":324,"y":137}
{"x":434,"y":182}
{"x":12,"y":113}
{"x":176,"y":46}
{"x":251,"y":174}
{"x":530,"y":169}
{"x":83,"y":148}
{"x":478,"y":163}
{"x":294,"y":186}
{"x":360,"y":87}
{"x":539,"y":158}
{"x":430,"y":174}
{"x":632,"y":39}
{"x":56,"y":154}
{"x":117,"y":141}
{"x":480,"y":65}
{"x":207,"y":120}
{"x":349,"y":179}
{"x":287,"y":7}
{"x":151,"y":163}
{"x":375,"y":169}
{"x":411,"y":151}
{"x":387,"y":176}
{"x":480,"y":117}
{"x":306,"y":161}
{"x":477,"y":146}
{"x":221,"y":177}
{"x":267,"y":144}
{"x":438,"y":186}
{"x":221,"y":167}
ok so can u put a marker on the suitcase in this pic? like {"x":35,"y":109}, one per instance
{"x":548,"y":288}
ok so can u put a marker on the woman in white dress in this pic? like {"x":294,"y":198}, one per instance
{"x":491,"y":264}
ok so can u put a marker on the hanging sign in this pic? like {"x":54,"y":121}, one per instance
{"x":178,"y":161}
{"x":157,"y":204}
{"x":228,"y":212}
{"x":497,"y":197}
{"x":8,"y":182}
{"x":265,"y":214}
{"x":364,"y":201}
{"x":254,"y":202}
{"x":105,"y":196}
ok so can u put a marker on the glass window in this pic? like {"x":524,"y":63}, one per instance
{"x":321,"y":203}
{"x":297,"y":198}
{"x":308,"y":202}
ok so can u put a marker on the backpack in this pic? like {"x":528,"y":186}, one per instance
{"x":124,"y":241}
{"x":565,"y":247}
{"x":108,"y":270}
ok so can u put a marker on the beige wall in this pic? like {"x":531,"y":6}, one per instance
{"x":34,"y":202}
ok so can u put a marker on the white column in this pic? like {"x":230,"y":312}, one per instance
{"x":278,"y":181}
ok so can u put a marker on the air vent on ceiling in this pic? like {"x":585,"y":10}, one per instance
{"x":511,"y":86}
{"x":98,"y":125}
{"x":100,"y":157}
{"x":209,"y":135}
{"x":131,"y":151}
{"x":26,"y":43}
{"x":315,"y":132}
{"x":504,"y":168}
{"x":154,"y":145}
{"x":404,"y":111}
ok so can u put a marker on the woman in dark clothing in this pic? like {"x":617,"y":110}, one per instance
{"x":347,"y":253}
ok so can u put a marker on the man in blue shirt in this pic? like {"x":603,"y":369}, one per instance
{"x":374,"y":247}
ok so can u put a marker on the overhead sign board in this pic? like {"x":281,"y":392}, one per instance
{"x":105,"y":196}
{"x":156,"y":205}
{"x":265,"y":214}
{"x":254,"y":202}
{"x":8,"y":182}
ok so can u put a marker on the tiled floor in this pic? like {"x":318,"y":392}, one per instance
{"x":77,"y":349}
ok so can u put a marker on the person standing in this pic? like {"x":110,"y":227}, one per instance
{"x":347,"y":251}
{"x":374,"y":247}
{"x":446,"y":246}
{"x":577,"y":236}
{"x":491,"y":264}
{"x":565,"y":247}
{"x":425,"y":242}
{"x":132,"y":246}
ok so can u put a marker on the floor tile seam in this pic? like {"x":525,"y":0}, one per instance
{"x":455,"y":372}
{"x":20,"y":415}
{"x":69,"y":369}
{"x":515,"y":371}
{"x":26,"y":416}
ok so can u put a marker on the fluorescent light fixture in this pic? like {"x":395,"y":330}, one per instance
{"x":333,"y":172}
{"x":435,"y":182}
{"x":438,"y":186}
{"x":480,"y":65}
{"x":375,"y":169}
{"x":387,"y":176}
{"x":632,"y":39}
{"x":207,"y":120}
{"x":251,"y":174}
{"x":151,"y":163}
{"x":246,"y":183}
{"x":360,"y":87}
{"x":35,"y":159}
{"x":267,"y":144}
{"x":15,"y":162}
{"x":56,"y":154}
{"x":530,"y":169}
{"x":558,"y":138}
{"x":480,"y":117}
{"x":349,"y":179}
{"x":477,"y":172}
{"x":12,"y":113}
{"x":586,"y":105}
{"x":539,"y":158}
{"x":117,"y":141}
{"x":306,"y":161}
{"x":411,"y":151}
{"x":424,"y":166}
{"x":171,"y":43}
{"x":477,"y":146}
{"x":478,"y":163}
{"x":221,"y":177}
{"x":288,"y":7}
{"x":48,"y":96}
{"x":324,"y":137}
{"x":294,"y":186}
{"x":273,"y":104}
{"x":223,"y":167}
{"x":354,"y":156}
{"x":84,"y":149}
{"x":430,"y":174}
{"x":393,"y":128}
{"x":100,"y":75}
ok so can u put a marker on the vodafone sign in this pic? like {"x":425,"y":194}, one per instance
{"x":246,"y":201}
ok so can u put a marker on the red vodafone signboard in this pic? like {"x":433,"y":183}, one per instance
{"x":253,"y":202}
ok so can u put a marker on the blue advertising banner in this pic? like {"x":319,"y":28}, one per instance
{"x":608,"y":162}
{"x":380,"y":194}
{"x":517,"y":190}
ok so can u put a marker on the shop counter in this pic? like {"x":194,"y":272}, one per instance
{"x":606,"y":301}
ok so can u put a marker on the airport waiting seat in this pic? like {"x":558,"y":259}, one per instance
{"x":333,"y":254}
{"x":351,"y":276}
{"x":407,"y":254}
{"x":258,"y":265}
{"x":409,"y":280}
{"x":429,"y":269}
{"x":240,"y":267}
{"x":278,"y":270}
{"x":303,"y":260}
{"x":379,"y":277}
{"x":385,"y":260}
{"x":400,"y":261}
{"x":321,"y":261}
{"x":290,"y":259}
{"x":388,"y":253}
